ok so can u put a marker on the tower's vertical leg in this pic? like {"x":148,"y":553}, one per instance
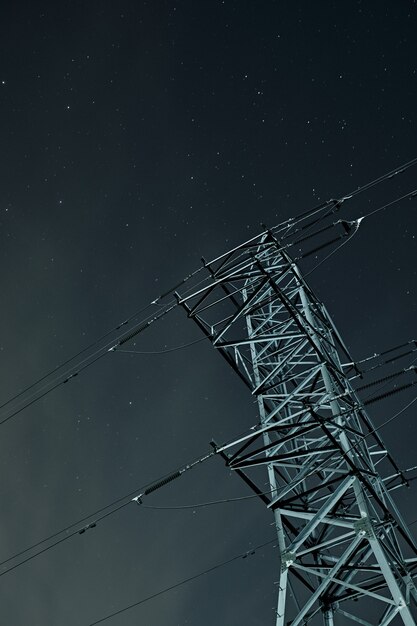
{"x":328,"y":615}
{"x":282,"y":595}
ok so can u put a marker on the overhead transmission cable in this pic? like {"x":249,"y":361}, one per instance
{"x":128,"y":607}
{"x":73,"y":371}
{"x":242,"y":555}
{"x":61,"y":365}
{"x":98,"y":341}
{"x":123,"y":339}
{"x":334,"y":204}
{"x":326,"y":258}
{"x":164,"y":351}
{"x":115,"y":506}
{"x":377,"y":355}
{"x":123,"y":501}
{"x":202,"y":505}
{"x":76,"y":368}
{"x":87,"y":362}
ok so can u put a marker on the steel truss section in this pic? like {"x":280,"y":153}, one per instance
{"x":345,"y":553}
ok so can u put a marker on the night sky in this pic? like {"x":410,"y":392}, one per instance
{"x":137,"y":137}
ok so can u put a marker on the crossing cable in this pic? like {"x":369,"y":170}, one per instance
{"x":351,"y":228}
{"x":242,"y":555}
{"x":393,"y":417}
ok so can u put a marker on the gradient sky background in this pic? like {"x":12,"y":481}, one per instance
{"x":137,"y":137}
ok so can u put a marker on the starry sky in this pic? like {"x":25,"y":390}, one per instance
{"x":137,"y":137}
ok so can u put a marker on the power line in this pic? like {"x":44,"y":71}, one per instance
{"x":175,"y":349}
{"x":89,"y":361}
{"x":411,"y":194}
{"x":64,"y":378}
{"x":331,"y":254}
{"x":72,"y":372}
{"x":200,"y":505}
{"x":121,"y":341}
{"x":100,"y":339}
{"x":45,"y":393}
{"x":398,"y":170}
{"x":334,"y":205}
{"x":56,"y":543}
{"x":357,"y":223}
{"x":242,"y":555}
{"x":119,"y":504}
{"x":61,"y":365}
{"x":147,"y":490}
{"x":391,"y":419}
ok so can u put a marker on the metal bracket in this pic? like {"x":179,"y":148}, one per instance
{"x":287,"y":559}
{"x":364,"y":528}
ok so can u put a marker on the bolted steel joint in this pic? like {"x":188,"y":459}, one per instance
{"x":364,"y":528}
{"x":287,"y":559}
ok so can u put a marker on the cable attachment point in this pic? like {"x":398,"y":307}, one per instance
{"x":353,"y":225}
{"x":92,"y":525}
{"x":249,"y":553}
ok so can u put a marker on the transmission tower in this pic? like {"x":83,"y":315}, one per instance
{"x":345,"y":551}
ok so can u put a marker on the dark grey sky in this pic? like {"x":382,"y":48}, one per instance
{"x":136,"y":137}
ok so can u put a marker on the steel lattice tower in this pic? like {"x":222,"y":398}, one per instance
{"x":345,"y":552}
